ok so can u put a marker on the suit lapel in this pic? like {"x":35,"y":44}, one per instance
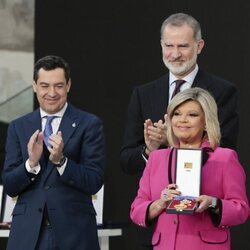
{"x":161,"y":100}
{"x":34,"y":121}
{"x":201,"y":80}
{"x":69,"y":123}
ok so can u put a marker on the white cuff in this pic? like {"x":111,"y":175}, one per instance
{"x":62,"y":168}
{"x":35,"y":170}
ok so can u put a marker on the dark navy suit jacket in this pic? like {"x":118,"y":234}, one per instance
{"x":67,"y":196}
{"x":151,"y":101}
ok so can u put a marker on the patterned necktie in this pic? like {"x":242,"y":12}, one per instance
{"x":178,"y":84}
{"x":48,"y":130}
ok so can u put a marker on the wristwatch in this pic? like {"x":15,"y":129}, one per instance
{"x":61,"y":162}
{"x":213,"y":203}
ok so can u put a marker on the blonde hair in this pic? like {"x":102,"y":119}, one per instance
{"x":209,"y":107}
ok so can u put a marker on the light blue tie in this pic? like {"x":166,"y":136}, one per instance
{"x":48,"y":130}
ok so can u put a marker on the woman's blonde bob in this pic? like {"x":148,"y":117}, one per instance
{"x":209,"y":107}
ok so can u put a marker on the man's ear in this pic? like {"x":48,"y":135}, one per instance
{"x":201,"y":44}
{"x":162,"y":44}
{"x":34,"y":85}
{"x":68,"y":85}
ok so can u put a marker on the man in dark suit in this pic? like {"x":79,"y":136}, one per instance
{"x":181,"y":43}
{"x":54,"y":182}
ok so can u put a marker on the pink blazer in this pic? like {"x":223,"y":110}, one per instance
{"x":222,"y":177}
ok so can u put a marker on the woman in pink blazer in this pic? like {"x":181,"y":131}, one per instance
{"x":192,"y":123}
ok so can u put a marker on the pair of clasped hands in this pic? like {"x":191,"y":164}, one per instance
{"x":35,"y":148}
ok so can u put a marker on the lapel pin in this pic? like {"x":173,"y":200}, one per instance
{"x":73,"y":125}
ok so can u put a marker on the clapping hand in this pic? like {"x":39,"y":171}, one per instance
{"x":56,"y":149}
{"x":155,"y":134}
{"x":35,"y":148}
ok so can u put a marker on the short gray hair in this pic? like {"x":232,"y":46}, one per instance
{"x":209,"y":107}
{"x":179,"y":19}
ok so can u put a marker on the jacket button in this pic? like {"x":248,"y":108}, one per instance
{"x":47,"y":187}
{"x":40,"y":210}
{"x":175,"y":221}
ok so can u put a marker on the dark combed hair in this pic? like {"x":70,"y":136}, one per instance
{"x":49,"y":63}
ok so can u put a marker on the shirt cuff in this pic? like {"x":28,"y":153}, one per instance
{"x":62,"y":168}
{"x":35,"y":170}
{"x":143,"y":153}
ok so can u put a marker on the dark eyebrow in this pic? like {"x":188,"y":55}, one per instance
{"x":43,"y":83}
{"x":58,"y":83}
{"x":183,"y":45}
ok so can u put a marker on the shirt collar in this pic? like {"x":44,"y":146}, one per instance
{"x":60,"y":113}
{"x":188,"y":78}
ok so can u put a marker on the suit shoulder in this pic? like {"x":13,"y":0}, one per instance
{"x":153,"y":84}
{"x":152,"y":90}
{"x":85,"y":114}
{"x":225,"y":153}
{"x":220,"y":88}
{"x":218,"y":81}
{"x":23,"y":118}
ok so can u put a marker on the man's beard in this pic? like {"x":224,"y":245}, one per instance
{"x":183,"y":68}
